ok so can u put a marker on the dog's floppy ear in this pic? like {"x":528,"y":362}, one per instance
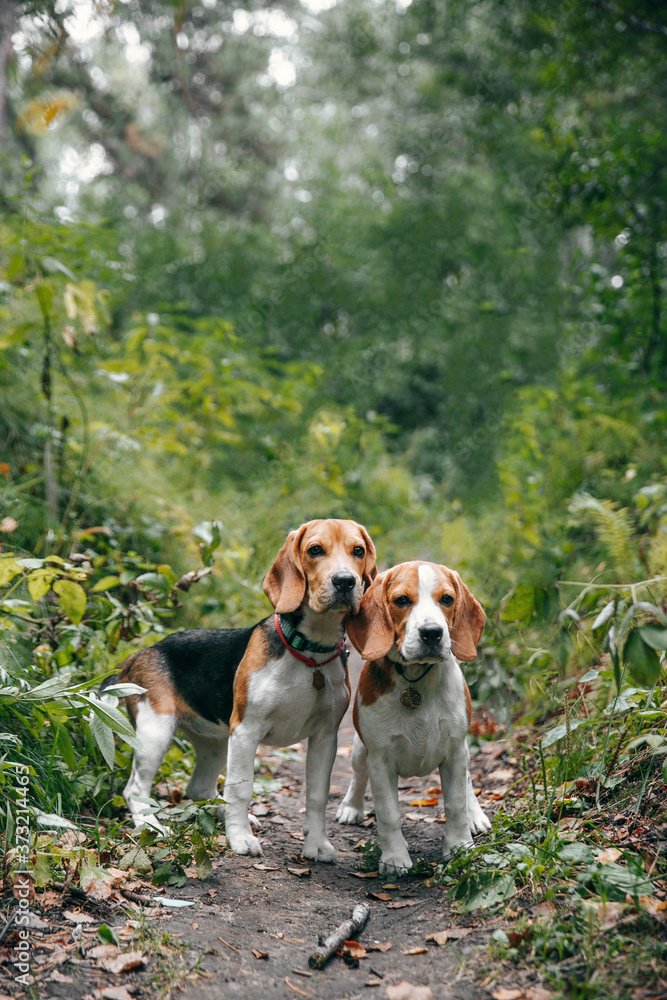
{"x":285,"y":583}
{"x":370,"y":567}
{"x":468,"y":623}
{"x":372,"y":630}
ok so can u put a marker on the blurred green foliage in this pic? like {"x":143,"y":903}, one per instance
{"x":399,"y":263}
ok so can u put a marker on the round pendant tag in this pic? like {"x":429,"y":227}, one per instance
{"x":318,"y":680}
{"x":411,"y":698}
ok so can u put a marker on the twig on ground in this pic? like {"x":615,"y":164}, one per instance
{"x":237,"y":950}
{"x":329,"y":946}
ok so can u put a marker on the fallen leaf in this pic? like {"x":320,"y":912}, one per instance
{"x":432,"y":791}
{"x":408,"y":991}
{"x":380,"y":946}
{"x":103,"y":951}
{"x":399,"y":904}
{"x":451,"y":934}
{"x":384,"y":896}
{"x":391,"y":885}
{"x":608,"y":856}
{"x":547,"y":909}
{"x":300,"y":872}
{"x":425,"y":802}
{"x":261,"y":867}
{"x":78,"y":918}
{"x":355,"y":949}
{"x":501,"y":774}
{"x":115,"y":993}
{"x":537,"y":993}
{"x":364,"y":874}
{"x":504,"y":994}
{"x":373,"y":982}
{"x":123,"y":963}
{"x":260,"y":954}
{"x":57,"y":977}
{"x":416,"y":951}
{"x":656,"y":907}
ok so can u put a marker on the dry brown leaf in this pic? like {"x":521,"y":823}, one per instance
{"x":57,"y":977}
{"x":502,"y":993}
{"x":610,"y":854}
{"x":391,"y":885}
{"x":78,"y":918}
{"x":260,"y":954}
{"x":355,"y":949}
{"x":380,"y":946}
{"x":546,"y":909}
{"x":300,"y":872}
{"x":123,"y":963}
{"x":384,"y":896}
{"x":373,"y":982}
{"x":609,"y":914}
{"x":451,"y":934}
{"x":103,"y":951}
{"x":537,"y":993}
{"x":364,"y":874}
{"x":416,"y":951}
{"x":409,"y":991}
{"x":433,"y":801}
{"x":114,"y":993}
{"x":399,"y":904}
{"x":656,"y":907}
{"x":502,"y":774}
{"x":261,"y":867}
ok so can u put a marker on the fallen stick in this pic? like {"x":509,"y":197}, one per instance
{"x":329,"y":946}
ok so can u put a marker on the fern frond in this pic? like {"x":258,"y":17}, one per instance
{"x":613,"y":527}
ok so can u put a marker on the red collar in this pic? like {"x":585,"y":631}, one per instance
{"x":308,"y":660}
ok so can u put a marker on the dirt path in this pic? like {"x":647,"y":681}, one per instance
{"x":259,"y":904}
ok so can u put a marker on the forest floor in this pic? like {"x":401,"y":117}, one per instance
{"x":254,"y":922}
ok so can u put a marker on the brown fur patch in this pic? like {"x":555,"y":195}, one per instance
{"x":255,"y":658}
{"x":147,"y":669}
{"x":377,"y":677}
{"x":468,"y":703}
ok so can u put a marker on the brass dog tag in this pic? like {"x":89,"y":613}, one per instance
{"x":410,"y":698}
{"x":318,"y":680}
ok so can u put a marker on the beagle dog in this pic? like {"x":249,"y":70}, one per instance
{"x":412,"y":708}
{"x":278,"y":682}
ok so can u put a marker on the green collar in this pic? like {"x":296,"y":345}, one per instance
{"x":299,"y":641}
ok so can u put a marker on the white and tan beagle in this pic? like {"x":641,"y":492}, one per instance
{"x":412,"y":708}
{"x":278,"y":682}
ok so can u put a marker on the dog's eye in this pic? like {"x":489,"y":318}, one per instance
{"x":403,"y":601}
{"x":315,"y":550}
{"x":447,"y":600}
{"x":359,"y":551}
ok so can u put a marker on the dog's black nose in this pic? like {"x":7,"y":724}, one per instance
{"x":344,"y":582}
{"x":431,"y":633}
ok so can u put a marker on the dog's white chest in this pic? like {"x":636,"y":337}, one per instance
{"x":291,"y":706}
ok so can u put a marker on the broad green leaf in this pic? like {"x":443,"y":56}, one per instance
{"x":72,"y":599}
{"x":619,"y":880}
{"x":104,"y":739}
{"x":654,"y":637}
{"x":41,"y":870}
{"x":492,"y":888}
{"x":15,"y":266}
{"x":203,"y":862}
{"x":558,"y":732}
{"x":106,"y":935}
{"x":106,"y":583}
{"x":642,"y":661}
{"x":520,"y":604}
{"x":153,"y":581}
{"x":575,"y":852}
{"x":9,"y":568}
{"x":39,"y":584}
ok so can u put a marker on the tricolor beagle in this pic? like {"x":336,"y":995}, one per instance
{"x":278,"y":682}
{"x":412,"y":707}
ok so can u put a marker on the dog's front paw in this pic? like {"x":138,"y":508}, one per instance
{"x":242,"y":842}
{"x":348,"y":814}
{"x":395,"y":864}
{"x":479,"y":821}
{"x":319,"y":851}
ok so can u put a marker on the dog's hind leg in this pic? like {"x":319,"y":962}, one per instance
{"x":211,"y":760}
{"x":351,"y":809}
{"x":156,"y":732}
